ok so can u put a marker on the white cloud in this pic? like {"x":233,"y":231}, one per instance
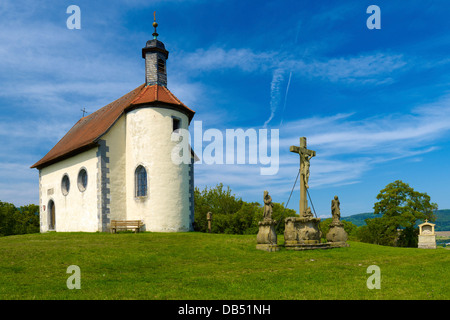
{"x":368,"y":68}
{"x":347,"y":149}
{"x":373,"y":68}
{"x":216,"y":58}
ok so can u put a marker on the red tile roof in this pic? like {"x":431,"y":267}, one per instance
{"x":88,"y":130}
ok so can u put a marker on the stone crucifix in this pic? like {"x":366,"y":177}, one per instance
{"x":305,"y":157}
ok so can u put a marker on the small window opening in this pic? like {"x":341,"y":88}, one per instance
{"x":82,"y":180}
{"x":176,"y":123}
{"x":141,"y":181}
{"x":161,"y":66}
{"x":65,"y":185}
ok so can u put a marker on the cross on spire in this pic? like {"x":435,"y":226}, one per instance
{"x":155,"y":24}
{"x":84,"y":111}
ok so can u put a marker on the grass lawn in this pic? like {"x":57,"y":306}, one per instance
{"x":211,"y":266}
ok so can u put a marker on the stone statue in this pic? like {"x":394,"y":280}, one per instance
{"x":335,"y":210}
{"x":266,"y":239}
{"x":337,"y":234}
{"x":305,"y":169}
{"x":268,"y":206}
{"x":308,"y":213}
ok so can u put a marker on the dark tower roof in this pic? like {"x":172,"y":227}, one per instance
{"x":155,"y":45}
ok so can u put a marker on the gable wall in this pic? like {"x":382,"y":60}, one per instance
{"x":76,"y":211}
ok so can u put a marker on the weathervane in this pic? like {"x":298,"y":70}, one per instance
{"x":155,"y":24}
{"x":84,"y":111}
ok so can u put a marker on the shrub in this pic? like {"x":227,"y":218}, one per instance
{"x":20,"y":220}
{"x":231,"y":214}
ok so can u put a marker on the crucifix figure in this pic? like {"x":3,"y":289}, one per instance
{"x":305,"y":157}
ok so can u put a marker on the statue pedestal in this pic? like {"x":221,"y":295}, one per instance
{"x":303,"y":233}
{"x":266,"y":238}
{"x":337,"y":236}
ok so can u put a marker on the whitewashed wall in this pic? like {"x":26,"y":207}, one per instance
{"x":76,"y":211}
{"x":148,"y":143}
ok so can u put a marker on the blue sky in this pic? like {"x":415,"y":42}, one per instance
{"x":374,"y":104}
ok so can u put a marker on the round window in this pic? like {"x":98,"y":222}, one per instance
{"x":65,"y":185}
{"x":82,"y":180}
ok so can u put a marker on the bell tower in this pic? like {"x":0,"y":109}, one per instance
{"x":155,"y":55}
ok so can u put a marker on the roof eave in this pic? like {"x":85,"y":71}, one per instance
{"x":40,"y":165}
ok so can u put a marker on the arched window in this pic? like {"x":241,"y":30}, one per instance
{"x":51,"y":215}
{"x":141,"y":181}
{"x":82,"y":180}
{"x":65,"y":185}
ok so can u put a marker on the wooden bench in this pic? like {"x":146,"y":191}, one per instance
{"x":125,"y":225}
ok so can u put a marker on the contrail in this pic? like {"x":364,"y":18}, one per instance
{"x":285,"y":97}
{"x":277,"y":78}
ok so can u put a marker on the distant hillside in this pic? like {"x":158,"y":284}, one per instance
{"x":442,"y":219}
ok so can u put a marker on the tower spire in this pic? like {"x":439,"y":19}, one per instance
{"x":155,"y":24}
{"x":155,"y":55}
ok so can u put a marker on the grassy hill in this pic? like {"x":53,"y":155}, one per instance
{"x":442,"y":219}
{"x":211,"y":266}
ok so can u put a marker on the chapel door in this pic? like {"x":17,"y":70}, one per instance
{"x":51,"y":207}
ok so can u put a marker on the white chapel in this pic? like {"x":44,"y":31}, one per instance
{"x":115,"y":164}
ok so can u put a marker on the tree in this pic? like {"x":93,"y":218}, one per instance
{"x":7,"y":211}
{"x":216,"y":200}
{"x":400,"y":207}
{"x":230,"y":214}
{"x":27,"y":219}
{"x":377,"y":231}
{"x":18,"y":220}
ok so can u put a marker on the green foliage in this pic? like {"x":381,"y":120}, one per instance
{"x":403,"y":206}
{"x":230,"y":214}
{"x":377,"y":231}
{"x":408,"y":237}
{"x":400,"y":207}
{"x":442,"y":219}
{"x":20,"y":220}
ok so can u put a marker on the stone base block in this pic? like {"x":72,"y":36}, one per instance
{"x":337,"y":233}
{"x":295,"y":242}
{"x":338,"y":244}
{"x":308,"y":246}
{"x":268,"y":247}
{"x":312,"y":246}
{"x":302,"y":230}
{"x":266,"y":234}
